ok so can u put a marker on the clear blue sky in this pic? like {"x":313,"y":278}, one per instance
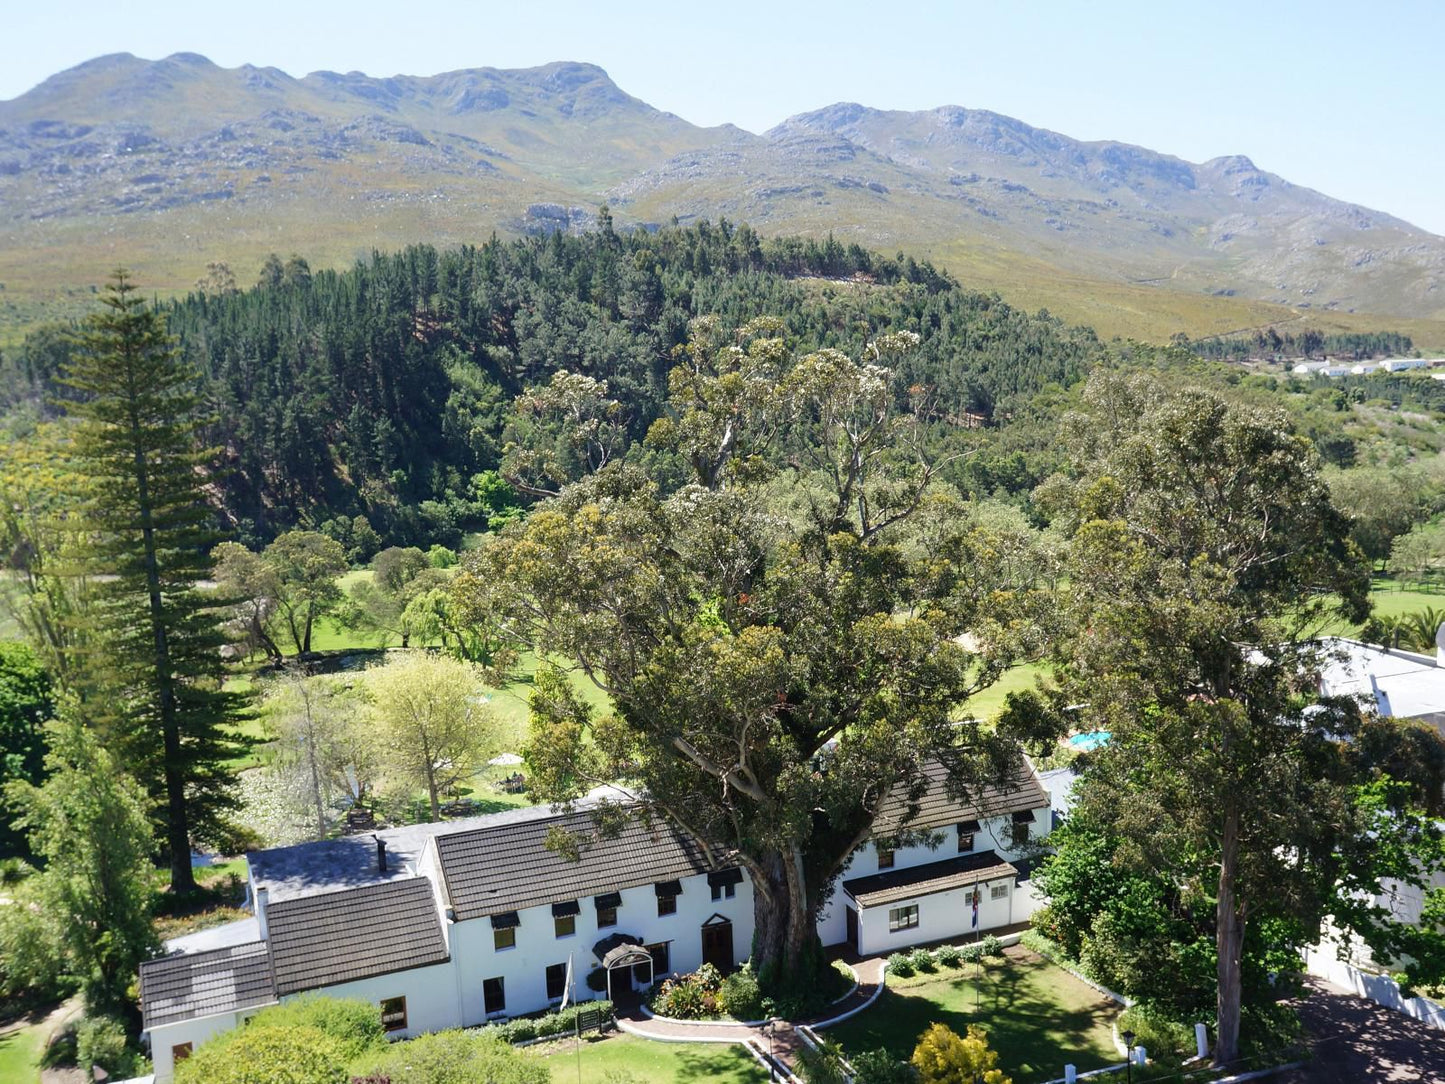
{"x":1343,"y":97}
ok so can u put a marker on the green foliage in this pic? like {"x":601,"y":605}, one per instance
{"x":823,"y":1065}
{"x":690,"y":997}
{"x":971,"y":953}
{"x":991,"y":946}
{"x":880,"y":1067}
{"x":101,"y":1041}
{"x":900,"y":964}
{"x":948,"y":955}
{"x":457,"y":1057}
{"x":561,"y":1022}
{"x":1156,"y":1031}
{"x":921,"y":959}
{"x":156,"y":669}
{"x":25,"y":705}
{"x":739,"y":996}
{"x":355,"y":1025}
{"x":263,"y":1053}
{"x":88,"y":823}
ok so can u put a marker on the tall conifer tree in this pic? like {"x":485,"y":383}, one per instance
{"x":157,"y":667}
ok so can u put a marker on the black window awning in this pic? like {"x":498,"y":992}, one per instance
{"x":665,"y":889}
{"x":968,"y":828}
{"x":1024,"y":816}
{"x":562,"y":910}
{"x":506,"y":920}
{"x":720,"y":877}
{"x":608,"y":899}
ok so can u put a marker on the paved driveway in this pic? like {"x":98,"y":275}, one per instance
{"x":1359,"y":1042}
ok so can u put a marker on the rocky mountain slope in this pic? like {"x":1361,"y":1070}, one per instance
{"x":166,"y":165}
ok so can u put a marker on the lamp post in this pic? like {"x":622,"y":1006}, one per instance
{"x":1128,"y":1037}
{"x":767,"y":1029}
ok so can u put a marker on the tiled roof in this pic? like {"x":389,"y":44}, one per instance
{"x":927,"y":880}
{"x":936,"y":809}
{"x":509,"y":868}
{"x":221,"y":980}
{"x":334,"y":937}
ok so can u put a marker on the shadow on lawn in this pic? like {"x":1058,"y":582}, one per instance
{"x":1031,"y":1018}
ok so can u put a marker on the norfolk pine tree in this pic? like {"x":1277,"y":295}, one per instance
{"x":156,"y":662}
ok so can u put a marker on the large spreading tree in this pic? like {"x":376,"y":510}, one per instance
{"x":1204,"y":551}
{"x":155,"y":644}
{"x":782,"y":638}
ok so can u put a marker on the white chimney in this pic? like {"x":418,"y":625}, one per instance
{"x":261,"y":894}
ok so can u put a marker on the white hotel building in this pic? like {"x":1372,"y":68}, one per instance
{"x":458,"y":923}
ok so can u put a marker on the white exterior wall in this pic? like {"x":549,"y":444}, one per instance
{"x":940,"y":916}
{"x":197,"y":1031}
{"x":994,"y":834}
{"x":430,"y":992}
{"x":523,"y":968}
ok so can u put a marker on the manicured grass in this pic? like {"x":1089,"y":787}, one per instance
{"x":988,"y":703}
{"x":20,"y":1055}
{"x":1037,"y":1016}
{"x":624,"y":1057}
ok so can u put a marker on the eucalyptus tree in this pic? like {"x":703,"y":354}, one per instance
{"x":1204,"y":550}
{"x":783,"y":639}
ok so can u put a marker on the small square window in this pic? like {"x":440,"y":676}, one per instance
{"x":998,"y":892}
{"x":666,"y":905}
{"x":606,"y":916}
{"x":504,"y":939}
{"x":181,"y":1051}
{"x":885,"y":856}
{"x":1021,"y":832}
{"x":724,"y":892}
{"x":965,"y":842}
{"x":903,"y":918}
{"x":393,"y":1013}
{"x":566,"y":925}
{"x":556,"y":981}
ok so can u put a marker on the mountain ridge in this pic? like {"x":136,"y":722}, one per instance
{"x":180,"y":161}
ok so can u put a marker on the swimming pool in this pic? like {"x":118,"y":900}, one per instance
{"x":1087,"y":743}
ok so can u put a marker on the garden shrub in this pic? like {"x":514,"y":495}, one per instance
{"x":457,"y":1057}
{"x":690,"y":997}
{"x":561,"y":1022}
{"x":597,"y":980}
{"x":880,"y":1067}
{"x":948,"y":955}
{"x":353,"y":1023}
{"x":822,"y":1066}
{"x":971,"y":954}
{"x":900,"y":964}
{"x":100,"y":1040}
{"x":922,"y":960}
{"x":740,"y":997}
{"x":992,"y":946}
{"x":1154,"y":1031}
{"x":267,"y":1054}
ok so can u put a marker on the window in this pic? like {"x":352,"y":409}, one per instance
{"x":607,"y":905}
{"x":566,"y":925}
{"x":494,"y":996}
{"x":966,"y":831}
{"x":181,"y":1051}
{"x":724,"y":892}
{"x":902,"y":918}
{"x":998,"y":892}
{"x":666,"y":905}
{"x":556,"y":981}
{"x":724,"y":882}
{"x":885,"y":856}
{"x":393,"y":1013}
{"x":606,"y":916}
{"x":1022,"y":823}
{"x":661,"y":959}
{"x":504,"y":939}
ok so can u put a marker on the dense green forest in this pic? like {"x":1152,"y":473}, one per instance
{"x":368,"y":403}
{"x":1269,"y":343}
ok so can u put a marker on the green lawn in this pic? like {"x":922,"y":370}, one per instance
{"x":641,"y":1061}
{"x":20,"y":1056}
{"x":987,"y":703}
{"x":1038,"y":1017}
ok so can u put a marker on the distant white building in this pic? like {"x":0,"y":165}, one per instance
{"x":1310,"y":366}
{"x":1396,"y":365}
{"x":462,"y":922}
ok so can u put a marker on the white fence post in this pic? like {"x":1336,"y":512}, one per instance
{"x":1141,"y":1056}
{"x":1070,"y":1074}
{"x":1201,"y":1040}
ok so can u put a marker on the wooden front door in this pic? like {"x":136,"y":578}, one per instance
{"x":717,"y":946}
{"x":850,"y":919}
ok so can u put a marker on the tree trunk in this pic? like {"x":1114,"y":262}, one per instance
{"x":1229,"y":942}
{"x":784,"y":930}
{"x":306,"y":645}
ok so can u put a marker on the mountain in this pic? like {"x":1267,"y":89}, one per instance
{"x":166,"y":165}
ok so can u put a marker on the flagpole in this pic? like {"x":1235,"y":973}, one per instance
{"x":576,"y":1017}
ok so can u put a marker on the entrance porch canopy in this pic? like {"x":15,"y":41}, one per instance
{"x":929,"y":879}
